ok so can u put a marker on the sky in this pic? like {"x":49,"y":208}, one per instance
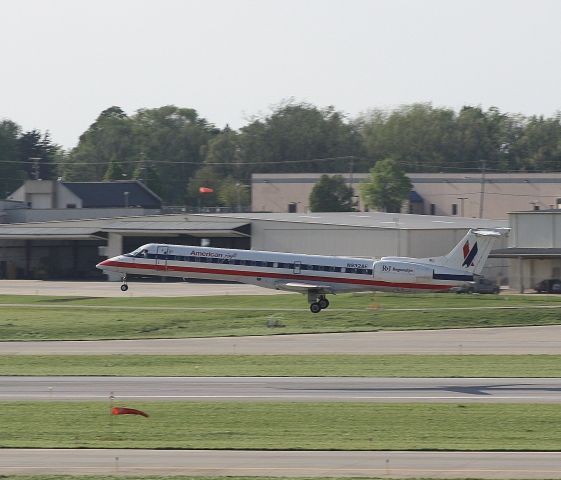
{"x":64,"y":61}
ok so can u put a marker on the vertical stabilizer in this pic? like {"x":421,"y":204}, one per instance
{"x":471,"y":253}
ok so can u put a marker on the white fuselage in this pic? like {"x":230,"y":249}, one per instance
{"x":282,"y":271}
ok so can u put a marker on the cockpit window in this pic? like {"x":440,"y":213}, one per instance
{"x":139,"y":252}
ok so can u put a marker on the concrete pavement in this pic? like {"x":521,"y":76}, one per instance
{"x":487,"y":465}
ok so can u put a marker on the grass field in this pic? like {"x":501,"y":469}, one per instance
{"x":77,"y":318}
{"x":283,"y":426}
{"x":286,"y":365}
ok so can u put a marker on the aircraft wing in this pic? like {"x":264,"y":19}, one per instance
{"x":304,"y":287}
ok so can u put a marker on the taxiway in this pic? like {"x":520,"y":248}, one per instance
{"x":303,"y":389}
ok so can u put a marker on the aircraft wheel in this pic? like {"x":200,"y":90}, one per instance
{"x":124,"y":287}
{"x":323,"y":303}
{"x":315,"y":308}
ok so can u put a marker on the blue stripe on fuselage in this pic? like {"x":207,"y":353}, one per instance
{"x":452,"y":276}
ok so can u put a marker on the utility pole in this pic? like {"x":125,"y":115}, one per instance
{"x":35,"y":168}
{"x":238,"y":187}
{"x":482,"y":189}
{"x":351,"y":184}
{"x":351,"y":171}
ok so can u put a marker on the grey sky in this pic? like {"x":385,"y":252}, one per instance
{"x":64,"y":61}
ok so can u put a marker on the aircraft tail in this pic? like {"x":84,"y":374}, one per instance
{"x":472,"y":251}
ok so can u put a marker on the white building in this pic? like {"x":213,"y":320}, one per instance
{"x":454,"y":194}
{"x":43,"y":200}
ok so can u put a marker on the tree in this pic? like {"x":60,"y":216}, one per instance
{"x":173,"y":141}
{"x":538,"y":147}
{"x":147,"y":174}
{"x":205,"y":177}
{"x":234,"y":194}
{"x":164,"y":144}
{"x":388,"y":187}
{"x":114,"y":170}
{"x":39,"y":155}
{"x":422,"y":138}
{"x":481,"y":136}
{"x":222,"y":154}
{"x":331,"y":194}
{"x":11,"y":167}
{"x":418,"y":136}
{"x":110,"y":136}
{"x":295,"y":136}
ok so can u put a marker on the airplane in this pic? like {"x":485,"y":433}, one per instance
{"x":314,"y":275}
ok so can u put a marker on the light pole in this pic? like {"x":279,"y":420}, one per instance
{"x":461,"y":199}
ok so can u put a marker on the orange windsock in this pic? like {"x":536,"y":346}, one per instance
{"x":205,"y":190}
{"x":128,"y":411}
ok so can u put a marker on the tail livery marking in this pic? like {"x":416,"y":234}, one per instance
{"x":469,"y":255}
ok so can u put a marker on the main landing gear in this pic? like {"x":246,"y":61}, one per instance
{"x":124,"y":286}
{"x":317,"y":302}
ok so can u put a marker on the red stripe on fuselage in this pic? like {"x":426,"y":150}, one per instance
{"x":287,"y":276}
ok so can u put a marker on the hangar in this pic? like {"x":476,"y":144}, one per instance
{"x":70,"y":249}
{"x":534,"y":247}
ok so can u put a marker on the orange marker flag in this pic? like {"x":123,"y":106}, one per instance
{"x":128,"y":411}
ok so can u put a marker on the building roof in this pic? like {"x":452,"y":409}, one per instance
{"x":369,"y":220}
{"x":195,"y":229}
{"x":521,"y":252}
{"x":126,"y":193}
{"x":414,"y":197}
{"x":49,"y":232}
{"x":506,"y":177}
{"x":551,"y":211}
{"x":232,"y":225}
{"x":145,"y":225}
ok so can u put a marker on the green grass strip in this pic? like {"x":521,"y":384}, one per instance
{"x":73,"y":318}
{"x":283,"y":426}
{"x":286,"y":365}
{"x":357,"y":300}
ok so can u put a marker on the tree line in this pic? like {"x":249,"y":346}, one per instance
{"x":175,"y":151}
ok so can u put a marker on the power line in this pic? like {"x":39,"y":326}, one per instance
{"x":202,"y":163}
{"x":436,"y":167}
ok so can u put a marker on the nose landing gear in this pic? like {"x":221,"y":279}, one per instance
{"x":124,"y":286}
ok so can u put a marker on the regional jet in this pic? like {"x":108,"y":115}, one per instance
{"x":314,"y":275}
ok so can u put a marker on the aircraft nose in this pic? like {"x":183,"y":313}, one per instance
{"x":104,"y":264}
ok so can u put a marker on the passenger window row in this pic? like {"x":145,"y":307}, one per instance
{"x":253,"y":263}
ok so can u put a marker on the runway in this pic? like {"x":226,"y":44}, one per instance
{"x":136,"y":289}
{"x":488,"y":465}
{"x":489,"y":341}
{"x":284,"y":389}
